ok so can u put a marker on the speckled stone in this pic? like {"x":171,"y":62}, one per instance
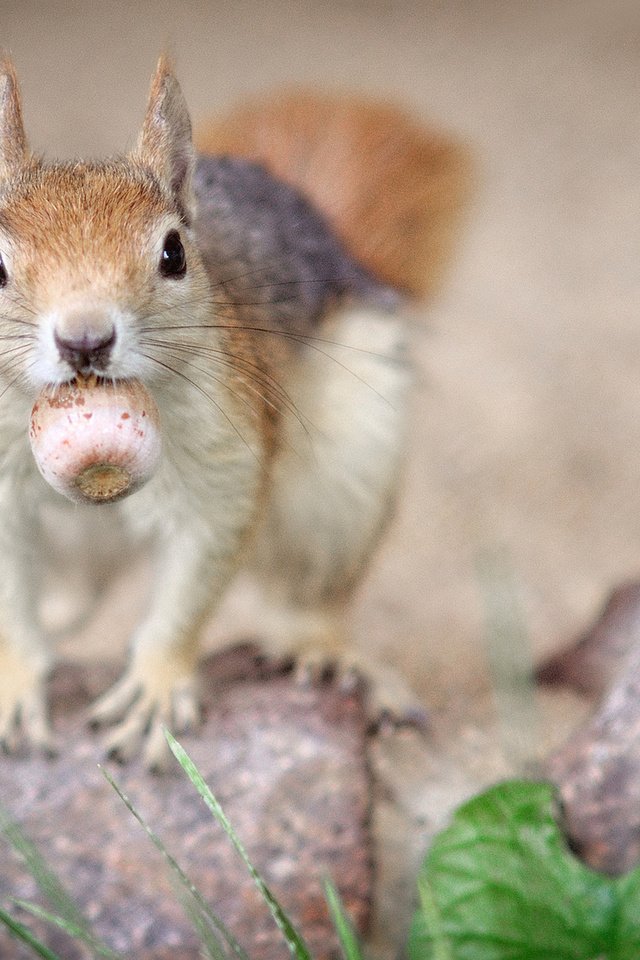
{"x":598,"y":769}
{"x":288,"y":765}
{"x":591,"y":661}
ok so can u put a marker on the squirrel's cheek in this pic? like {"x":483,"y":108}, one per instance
{"x":93,"y":441}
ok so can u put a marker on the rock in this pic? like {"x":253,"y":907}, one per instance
{"x":591,"y":662}
{"x":288,"y":765}
{"x":598,"y":769}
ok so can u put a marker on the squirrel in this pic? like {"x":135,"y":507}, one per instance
{"x":259,"y":288}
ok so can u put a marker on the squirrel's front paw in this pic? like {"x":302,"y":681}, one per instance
{"x":389,"y":699}
{"x":23,"y":711}
{"x":154,"y":693}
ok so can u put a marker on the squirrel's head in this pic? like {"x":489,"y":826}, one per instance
{"x":95,"y":257}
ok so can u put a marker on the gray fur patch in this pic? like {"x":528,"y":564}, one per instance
{"x":268,"y":249}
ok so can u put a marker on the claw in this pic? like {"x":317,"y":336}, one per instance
{"x":112,"y":705}
{"x":389,"y":701}
{"x":142,"y":704}
{"x":314,"y":668}
{"x":23,"y":711}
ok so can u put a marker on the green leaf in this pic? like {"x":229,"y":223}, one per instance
{"x":627,"y":926}
{"x":431,"y":920}
{"x":501,"y":884}
{"x":294,"y":940}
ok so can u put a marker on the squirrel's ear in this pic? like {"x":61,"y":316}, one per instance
{"x":165,"y":144}
{"x":13,"y":142}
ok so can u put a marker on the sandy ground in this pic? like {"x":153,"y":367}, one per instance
{"x":525,"y":453}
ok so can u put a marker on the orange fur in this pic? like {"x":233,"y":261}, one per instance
{"x":392,"y":191}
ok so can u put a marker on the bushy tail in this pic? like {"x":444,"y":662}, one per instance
{"x":392,"y":191}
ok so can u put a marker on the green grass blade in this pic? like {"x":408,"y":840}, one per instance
{"x":199,"y":906}
{"x":51,"y":887}
{"x":294,"y":940}
{"x":510,"y":661}
{"x":48,"y":883}
{"x":20,"y":932}
{"x":348,"y":941}
{"x":75,"y":932}
{"x":209,"y":939}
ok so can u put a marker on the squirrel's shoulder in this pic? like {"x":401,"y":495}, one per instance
{"x":256,"y":232}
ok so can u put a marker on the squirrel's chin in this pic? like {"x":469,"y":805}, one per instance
{"x":38,"y":375}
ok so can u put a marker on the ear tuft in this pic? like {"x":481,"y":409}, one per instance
{"x":14,"y":151}
{"x":165,"y":144}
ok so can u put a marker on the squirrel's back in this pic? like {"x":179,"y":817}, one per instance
{"x":391,"y":190}
{"x":270,"y":250}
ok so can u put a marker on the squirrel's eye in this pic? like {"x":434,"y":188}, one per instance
{"x":4,"y":276}
{"x":173,"y":262}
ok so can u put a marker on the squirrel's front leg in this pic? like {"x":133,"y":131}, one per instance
{"x":158,"y":687}
{"x":24,"y":658}
{"x":23,"y":710}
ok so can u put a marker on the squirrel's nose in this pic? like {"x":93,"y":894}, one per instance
{"x":86,"y":353}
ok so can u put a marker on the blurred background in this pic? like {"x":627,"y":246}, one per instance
{"x":526,"y":433}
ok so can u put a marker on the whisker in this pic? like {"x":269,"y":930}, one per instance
{"x":276,"y":331}
{"x":19,"y":321}
{"x":237,"y":301}
{"x":213,"y":303}
{"x":312,"y":344}
{"x":18,"y":336}
{"x":212,"y":376}
{"x":305,"y":339}
{"x":201,"y":390}
{"x":234,"y":393}
{"x":231,"y":361}
{"x":15,"y":361}
{"x":258,"y":270}
{"x":275,"y":396}
{"x":19,"y":348}
{"x":24,"y":305}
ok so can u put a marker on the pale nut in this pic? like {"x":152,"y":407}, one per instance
{"x":95,"y":441}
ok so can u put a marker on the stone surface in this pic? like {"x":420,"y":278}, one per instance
{"x":591,"y":662}
{"x":287,"y":764}
{"x":598,"y":768}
